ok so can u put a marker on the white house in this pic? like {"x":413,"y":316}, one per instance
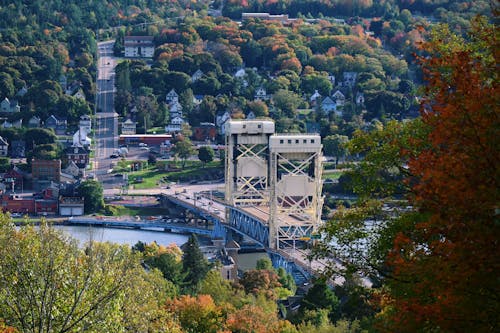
{"x":331,"y":78}
{"x":139,"y":46}
{"x":129,"y":127}
{"x":172,"y":97}
{"x":196,"y":75}
{"x":339,"y":98}
{"x":81,"y":139}
{"x":85,"y":123}
{"x":221,"y":120}
{"x":250,"y":115}
{"x":175,"y":125}
{"x":315,"y":96}
{"x":261,"y":94}
{"x":15,"y":124}
{"x":21,"y":92}
{"x":8,"y":106}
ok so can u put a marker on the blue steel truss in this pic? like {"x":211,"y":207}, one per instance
{"x":249,"y":226}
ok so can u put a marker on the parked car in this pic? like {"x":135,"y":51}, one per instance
{"x":113,"y":156}
{"x":142,"y":144}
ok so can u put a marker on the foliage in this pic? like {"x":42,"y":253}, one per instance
{"x":455,"y":186}
{"x":335,"y":145}
{"x":92,"y":193}
{"x":194,"y":264}
{"x":183,"y":149}
{"x":50,"y":284}
{"x":206,"y":154}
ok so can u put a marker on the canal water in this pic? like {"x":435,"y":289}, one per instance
{"x":130,"y":237}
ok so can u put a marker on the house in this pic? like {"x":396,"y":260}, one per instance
{"x":328,"y":105}
{"x":339,"y":98}
{"x":350,"y":79}
{"x":57,"y":125}
{"x":44,"y":172}
{"x":63,"y":82}
{"x":139,"y":46}
{"x":129,"y":127}
{"x":175,"y":125}
{"x":250,"y":115}
{"x":4,"y":147}
{"x":85,"y":123}
{"x":314,"y":97}
{"x":240,"y":73}
{"x":46,"y":203}
{"x":80,"y":138}
{"x":71,"y":206}
{"x":14,"y":179}
{"x":175,"y":109}
{"x":9,"y":106}
{"x":21,"y":92}
{"x":73,"y":170}
{"x":171,"y":97}
{"x":360,"y":98}
{"x":261,"y":94}
{"x":34,"y":122}
{"x":18,"y":149}
{"x":165,"y":148}
{"x":15,"y":124}
{"x":204,"y":132}
{"x":220,"y":121}
{"x":196,"y":75}
{"x":79,"y":155}
{"x":75,"y":90}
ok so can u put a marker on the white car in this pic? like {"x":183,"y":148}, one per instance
{"x":142,"y":144}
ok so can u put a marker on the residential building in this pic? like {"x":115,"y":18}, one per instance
{"x":44,"y":172}
{"x":204,"y":132}
{"x":250,"y":115}
{"x":350,"y":79}
{"x":85,"y":123}
{"x":34,"y":122}
{"x":129,"y":127}
{"x":261,"y":94}
{"x":4,"y":147}
{"x":339,"y":98}
{"x":78,"y":155}
{"x":314,"y":97}
{"x":14,"y":124}
{"x":360,"y":98}
{"x":196,"y":75}
{"x":21,"y":92}
{"x":59,"y":126}
{"x":14,"y":179}
{"x":220,"y":121}
{"x":328,"y":105}
{"x":139,"y":46}
{"x":172,"y":97}
{"x":9,"y":106}
{"x":80,"y":138}
{"x":73,"y":170}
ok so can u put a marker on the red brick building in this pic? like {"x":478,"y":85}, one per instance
{"x":45,"y":172}
{"x":206,"y":131}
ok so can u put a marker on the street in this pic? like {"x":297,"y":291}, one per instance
{"x":106,"y":122}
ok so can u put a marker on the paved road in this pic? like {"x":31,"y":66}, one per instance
{"x":106,"y":131}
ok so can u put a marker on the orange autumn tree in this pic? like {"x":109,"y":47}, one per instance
{"x":446,"y":269}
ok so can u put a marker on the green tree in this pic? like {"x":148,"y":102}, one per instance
{"x":194,"y":264}
{"x":206,"y":154}
{"x":4,"y":164}
{"x":320,"y":296}
{"x":183,"y":149}
{"x":169,"y":266}
{"x":50,"y":284}
{"x":335,"y":145}
{"x":92,"y":193}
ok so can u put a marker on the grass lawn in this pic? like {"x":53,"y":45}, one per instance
{"x":139,"y":211}
{"x":152,"y":177}
{"x":331,"y":174}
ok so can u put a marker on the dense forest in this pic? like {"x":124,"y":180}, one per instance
{"x":420,"y":118}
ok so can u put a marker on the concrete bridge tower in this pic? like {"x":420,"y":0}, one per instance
{"x":275,"y":178}
{"x":295,"y":163}
{"x":246,"y":165}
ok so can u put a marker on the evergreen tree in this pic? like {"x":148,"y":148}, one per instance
{"x":194,"y":264}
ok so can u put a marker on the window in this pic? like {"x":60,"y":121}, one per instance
{"x":259,"y":126}
{"x":312,"y":140}
{"x":282,"y":141}
{"x":304,"y":141}
{"x":297,"y":141}
{"x":290,"y":141}
{"x":244,"y":126}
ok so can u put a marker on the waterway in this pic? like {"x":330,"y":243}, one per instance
{"x":132,"y":236}
{"x":122,"y":236}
